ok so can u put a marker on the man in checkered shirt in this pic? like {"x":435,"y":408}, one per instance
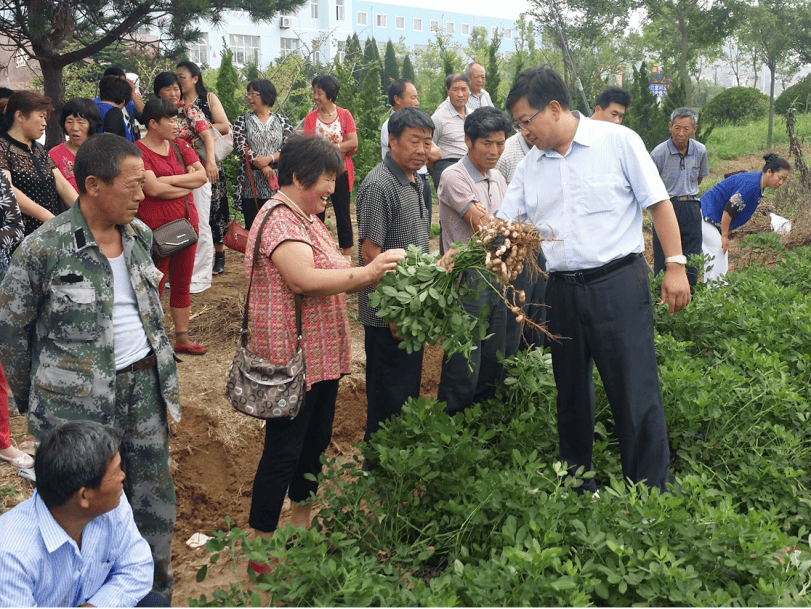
{"x":391,"y":214}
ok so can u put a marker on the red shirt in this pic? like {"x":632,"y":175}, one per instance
{"x":157,"y":212}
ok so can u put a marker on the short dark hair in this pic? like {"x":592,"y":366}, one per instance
{"x":265,"y":88}
{"x":194,"y":70}
{"x":540,"y":86}
{"x":774,"y":162}
{"x":115,"y":89}
{"x":409,"y":117}
{"x":397,"y":88}
{"x":452,"y":78}
{"x":101,"y":156}
{"x":73,"y":456}
{"x":486,"y":120}
{"x":164,"y":79}
{"x":115,"y":71}
{"x":611,"y":95}
{"x":328,"y":84}
{"x":308,"y":157}
{"x":83,"y":108}
{"x":25,"y":102}
{"x":5,"y":92}
{"x":157,"y":109}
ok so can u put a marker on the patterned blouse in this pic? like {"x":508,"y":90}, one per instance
{"x":272,"y":307}
{"x":190,"y":123}
{"x":31,"y":172}
{"x":262,"y":140}
{"x":11,"y":223}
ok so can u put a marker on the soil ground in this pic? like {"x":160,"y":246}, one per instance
{"x":215,"y":451}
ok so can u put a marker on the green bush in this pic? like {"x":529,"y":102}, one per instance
{"x":798,"y":94}
{"x":735,"y":106}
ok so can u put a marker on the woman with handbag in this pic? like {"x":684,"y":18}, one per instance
{"x":195,"y":94}
{"x":336,"y":125}
{"x":193,"y":127}
{"x":173,"y":172}
{"x":41,"y":190}
{"x":258,"y":139}
{"x":297,"y":257}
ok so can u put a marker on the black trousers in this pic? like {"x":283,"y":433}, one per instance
{"x":392,"y":377}
{"x":292,"y":449}
{"x":688,"y":214}
{"x":340,"y":204}
{"x":609,"y":322}
{"x":535,"y":308}
{"x":440,"y":166}
{"x":426,"y":196}
{"x":250,"y":211}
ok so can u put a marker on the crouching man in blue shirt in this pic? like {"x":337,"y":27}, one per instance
{"x":74,"y":542}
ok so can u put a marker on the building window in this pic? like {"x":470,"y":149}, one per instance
{"x":288,"y":46}
{"x":339,"y":10}
{"x":508,"y":34}
{"x":314,"y":9}
{"x":381,"y":21}
{"x":340,"y":54}
{"x":245,"y":49}
{"x":450,"y":27}
{"x":465,"y":29}
{"x":399,"y":23}
{"x":363,"y":18}
{"x":417,"y":25}
{"x":198,"y":51}
{"x":434,"y":25}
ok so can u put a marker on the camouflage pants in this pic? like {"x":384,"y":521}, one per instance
{"x":140,"y":418}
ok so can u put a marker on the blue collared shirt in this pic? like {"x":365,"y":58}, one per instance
{"x":589,"y":200}
{"x":41,"y":566}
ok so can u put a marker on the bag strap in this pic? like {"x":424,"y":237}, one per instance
{"x":257,"y":242}
{"x":180,"y":160}
{"x":249,"y":171}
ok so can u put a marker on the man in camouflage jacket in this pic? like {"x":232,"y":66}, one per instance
{"x":57,"y":338}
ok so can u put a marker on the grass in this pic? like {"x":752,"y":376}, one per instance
{"x":730,"y":142}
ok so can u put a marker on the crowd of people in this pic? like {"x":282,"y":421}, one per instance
{"x":87,"y":355}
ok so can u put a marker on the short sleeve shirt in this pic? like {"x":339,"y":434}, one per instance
{"x":157,"y":212}
{"x":515,"y":149}
{"x":31,"y":172}
{"x":391,"y":213}
{"x":741,"y":190}
{"x":679,"y":172}
{"x":272,"y":306}
{"x":462,"y":185}
{"x":449,"y":131}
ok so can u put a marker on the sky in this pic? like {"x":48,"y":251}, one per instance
{"x":491,"y":8}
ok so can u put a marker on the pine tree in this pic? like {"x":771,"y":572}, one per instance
{"x":391,"y":70}
{"x":368,"y":118}
{"x":354,"y":59}
{"x":493,"y":77}
{"x":371,"y":57}
{"x":227,"y":85}
{"x":644,"y":116}
{"x":346,"y":94}
{"x":676,"y":98}
{"x":408,"y":69}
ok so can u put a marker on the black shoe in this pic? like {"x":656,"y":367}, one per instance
{"x":219,"y":263}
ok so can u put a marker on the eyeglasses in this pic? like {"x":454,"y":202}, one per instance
{"x":524,"y":124}
{"x":252,"y":94}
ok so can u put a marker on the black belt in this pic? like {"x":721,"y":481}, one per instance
{"x":592,"y":274}
{"x":714,"y":224}
{"x":685,"y":198}
{"x":145,"y":363}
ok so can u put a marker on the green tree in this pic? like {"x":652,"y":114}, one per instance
{"x":493,"y":70}
{"x":228,"y":85}
{"x":354,"y":59}
{"x":391,"y":70}
{"x":42,"y":28}
{"x":369,"y":109}
{"x":371,"y":61}
{"x":251,"y":71}
{"x":477,"y":46}
{"x":408,"y":69}
{"x":644,"y":116}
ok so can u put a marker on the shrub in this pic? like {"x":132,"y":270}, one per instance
{"x":800,"y":92}
{"x":735,"y":106}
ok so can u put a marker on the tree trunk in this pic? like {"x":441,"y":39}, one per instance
{"x":54,"y":85}
{"x":688,"y":89}
{"x":772,"y":69}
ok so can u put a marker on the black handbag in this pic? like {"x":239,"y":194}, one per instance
{"x":256,"y":386}
{"x":177,"y":235}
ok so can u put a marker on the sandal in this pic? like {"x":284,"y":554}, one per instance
{"x":23,"y":461}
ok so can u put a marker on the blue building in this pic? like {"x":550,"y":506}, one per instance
{"x":319,"y":30}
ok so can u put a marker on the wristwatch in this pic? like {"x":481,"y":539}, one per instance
{"x":680,"y":259}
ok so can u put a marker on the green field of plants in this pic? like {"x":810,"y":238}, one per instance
{"x":475,"y":510}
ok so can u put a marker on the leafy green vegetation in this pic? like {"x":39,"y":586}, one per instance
{"x":474,"y":510}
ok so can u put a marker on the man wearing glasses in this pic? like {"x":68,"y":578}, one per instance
{"x":584,"y":187}
{"x":682,"y":163}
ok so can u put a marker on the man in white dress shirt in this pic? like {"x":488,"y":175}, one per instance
{"x":585,"y":183}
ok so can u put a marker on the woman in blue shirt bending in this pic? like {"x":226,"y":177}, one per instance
{"x":730,"y":203}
